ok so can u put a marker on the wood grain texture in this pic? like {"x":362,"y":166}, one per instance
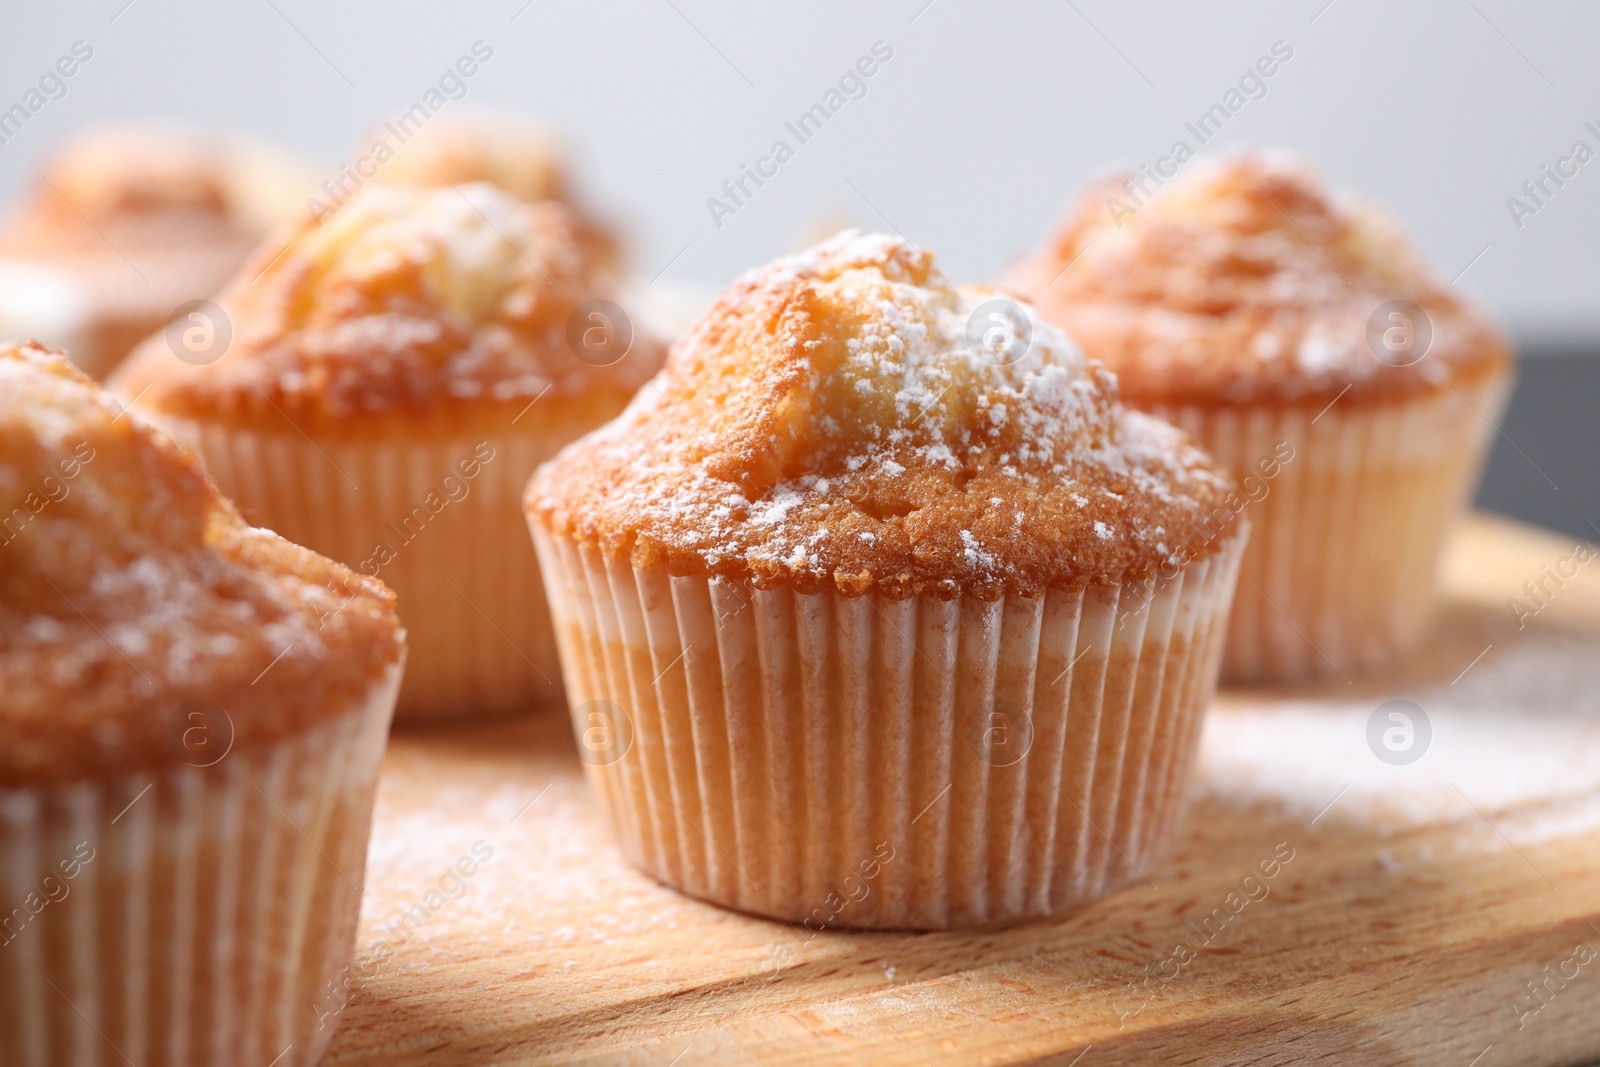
{"x":1419,"y":903}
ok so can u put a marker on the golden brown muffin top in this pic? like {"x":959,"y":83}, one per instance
{"x":132,"y":593}
{"x":406,"y":305}
{"x":127,"y":184}
{"x":147,"y":217}
{"x":520,"y":156}
{"x":1244,"y":281}
{"x":829,"y":425}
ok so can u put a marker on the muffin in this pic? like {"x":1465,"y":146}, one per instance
{"x":392,"y":380}
{"x":520,"y":156}
{"x":145,"y":219}
{"x":1296,"y":335}
{"x":872,"y":617}
{"x":193,"y":717}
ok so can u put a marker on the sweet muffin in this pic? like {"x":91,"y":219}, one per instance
{"x":391,"y":381}
{"x":190,"y":731}
{"x":145,"y":219}
{"x":1296,"y":335}
{"x":879,"y":610}
{"x":520,"y":156}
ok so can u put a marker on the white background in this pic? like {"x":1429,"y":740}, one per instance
{"x":971,"y":140}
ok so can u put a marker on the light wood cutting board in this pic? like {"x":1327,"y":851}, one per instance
{"x":1445,"y":911}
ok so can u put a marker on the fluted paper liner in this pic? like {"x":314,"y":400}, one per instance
{"x":218,"y":904}
{"x":838,"y":760}
{"x":466,"y":581}
{"x":1340,"y":572}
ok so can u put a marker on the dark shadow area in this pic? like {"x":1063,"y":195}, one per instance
{"x":1544,"y":467}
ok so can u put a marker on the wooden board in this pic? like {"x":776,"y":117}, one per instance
{"x":1420,"y":902}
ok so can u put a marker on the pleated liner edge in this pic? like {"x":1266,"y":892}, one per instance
{"x":867,"y":762}
{"x":216,"y":910}
{"x":1340,"y":574}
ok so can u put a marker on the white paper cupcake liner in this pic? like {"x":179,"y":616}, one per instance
{"x":837,"y":761}
{"x":466,"y":580}
{"x":215,"y":906}
{"x":1339,"y":575}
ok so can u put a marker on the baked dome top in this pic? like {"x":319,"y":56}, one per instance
{"x":828,"y":424}
{"x":1244,"y":280}
{"x":142,"y":185}
{"x":406,"y":302}
{"x":129,"y":587}
{"x":520,"y":156}
{"x":128,"y":170}
{"x":148,"y":216}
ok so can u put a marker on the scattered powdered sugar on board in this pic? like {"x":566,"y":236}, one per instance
{"x":541,"y":833}
{"x":1520,"y":729}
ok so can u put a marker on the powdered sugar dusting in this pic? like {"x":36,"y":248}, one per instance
{"x":1245,"y":280}
{"x":467,"y":243}
{"x":836,"y":393}
{"x":408,"y":299}
{"x":129,"y":586}
{"x":1521,"y":728}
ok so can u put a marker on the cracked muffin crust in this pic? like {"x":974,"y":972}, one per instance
{"x":129,"y":585}
{"x":1246,"y":281}
{"x":828,"y":424}
{"x":441,"y":305}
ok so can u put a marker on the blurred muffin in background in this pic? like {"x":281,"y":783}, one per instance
{"x":1295,"y":333}
{"x":512,"y":151}
{"x":392,"y":380}
{"x":141,"y":219}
